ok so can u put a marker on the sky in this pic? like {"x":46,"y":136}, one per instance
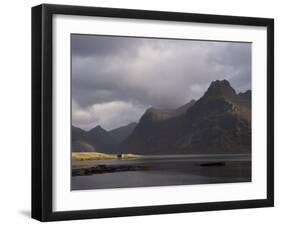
{"x":115,"y":79}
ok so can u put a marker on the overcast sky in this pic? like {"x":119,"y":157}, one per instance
{"x":115,"y":79}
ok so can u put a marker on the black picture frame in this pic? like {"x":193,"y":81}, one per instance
{"x":42,"y":107}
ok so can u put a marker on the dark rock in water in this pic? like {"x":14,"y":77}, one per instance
{"x":213,"y":164}
{"x":106,"y":169}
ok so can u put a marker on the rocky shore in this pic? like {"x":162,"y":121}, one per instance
{"x":98,"y":169}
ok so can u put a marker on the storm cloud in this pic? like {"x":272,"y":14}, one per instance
{"x":115,"y":79}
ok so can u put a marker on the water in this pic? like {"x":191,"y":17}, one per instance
{"x":167,"y":170}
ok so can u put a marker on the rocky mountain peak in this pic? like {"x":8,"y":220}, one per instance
{"x":98,"y":127}
{"x":98,"y":130}
{"x":247,"y":94}
{"x":220,"y":88}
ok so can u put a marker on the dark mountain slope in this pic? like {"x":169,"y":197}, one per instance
{"x":79,"y":140}
{"x":121,"y":133}
{"x":154,"y":115}
{"x":220,"y":122}
{"x":96,"y":139}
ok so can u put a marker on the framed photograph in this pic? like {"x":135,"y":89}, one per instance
{"x":145,"y":112}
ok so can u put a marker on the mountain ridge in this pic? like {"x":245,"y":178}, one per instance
{"x":218,"y":122}
{"x":99,"y":139}
{"x":121,"y":133}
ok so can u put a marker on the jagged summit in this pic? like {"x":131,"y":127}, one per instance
{"x":99,"y":132}
{"x":247,"y":94}
{"x":220,"y":88}
{"x":97,"y":128}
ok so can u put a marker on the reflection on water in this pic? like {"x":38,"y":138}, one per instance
{"x":167,"y":170}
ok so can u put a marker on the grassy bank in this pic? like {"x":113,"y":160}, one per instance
{"x":101,"y":156}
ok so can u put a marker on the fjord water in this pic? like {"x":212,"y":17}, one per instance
{"x":167,"y":170}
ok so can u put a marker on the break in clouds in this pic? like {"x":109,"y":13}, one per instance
{"x":115,"y":79}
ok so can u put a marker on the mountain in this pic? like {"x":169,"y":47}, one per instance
{"x":121,"y":133}
{"x":77,"y":133}
{"x":246,"y":95}
{"x":100,"y":136}
{"x":219,"y":122}
{"x":97,"y":139}
{"x":153,"y":115}
{"x":184,"y":108}
{"x":79,"y":140}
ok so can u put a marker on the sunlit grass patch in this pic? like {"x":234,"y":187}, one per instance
{"x":101,"y":156}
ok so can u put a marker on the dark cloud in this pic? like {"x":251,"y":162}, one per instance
{"x":101,"y":46}
{"x":114,"y":79}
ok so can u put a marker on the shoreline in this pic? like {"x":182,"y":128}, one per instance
{"x":101,"y":168}
{"x":80,"y":156}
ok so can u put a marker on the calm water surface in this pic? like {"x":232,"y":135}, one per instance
{"x":167,"y":170}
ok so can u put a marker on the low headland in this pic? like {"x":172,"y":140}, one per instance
{"x":79,"y":156}
{"x":85,"y":169}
